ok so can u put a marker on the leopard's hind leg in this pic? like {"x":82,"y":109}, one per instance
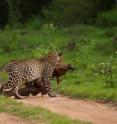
{"x":17,"y":83}
{"x":6,"y":87}
{"x":12,"y":85}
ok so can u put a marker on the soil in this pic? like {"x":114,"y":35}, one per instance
{"x":83,"y":110}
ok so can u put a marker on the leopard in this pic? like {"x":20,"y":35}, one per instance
{"x":27,"y":70}
{"x":59,"y":71}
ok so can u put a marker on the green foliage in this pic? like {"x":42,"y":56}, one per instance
{"x":69,"y":12}
{"x":114,"y":42}
{"x":35,"y":22}
{"x":25,"y":40}
{"x":106,"y":47}
{"x":16,"y":13}
{"x":108,"y":18}
{"x":83,"y":46}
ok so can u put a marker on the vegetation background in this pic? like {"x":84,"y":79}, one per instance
{"x":84,"y":30}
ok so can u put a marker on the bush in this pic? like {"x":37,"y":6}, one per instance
{"x":108,"y":18}
{"x":34,"y":22}
{"x":14,"y":41}
{"x":66,"y":12}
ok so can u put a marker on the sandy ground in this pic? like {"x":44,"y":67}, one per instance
{"x":84,"y":110}
{"x":10,"y":119}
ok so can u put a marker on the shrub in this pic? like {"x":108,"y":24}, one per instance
{"x":34,"y":22}
{"x":66,"y":12}
{"x":108,"y":18}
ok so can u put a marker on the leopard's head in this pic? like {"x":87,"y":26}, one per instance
{"x":54,"y":58}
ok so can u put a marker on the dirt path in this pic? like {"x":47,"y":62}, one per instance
{"x":76,"y":109}
{"x":9,"y":119}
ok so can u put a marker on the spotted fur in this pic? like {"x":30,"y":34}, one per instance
{"x":21,"y":71}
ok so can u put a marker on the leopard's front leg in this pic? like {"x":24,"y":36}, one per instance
{"x":47,"y":76}
{"x":17,"y":95}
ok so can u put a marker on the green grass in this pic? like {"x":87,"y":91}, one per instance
{"x":33,"y":114}
{"x":93,"y":46}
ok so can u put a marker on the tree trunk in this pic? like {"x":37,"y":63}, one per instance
{"x":14,"y":12}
